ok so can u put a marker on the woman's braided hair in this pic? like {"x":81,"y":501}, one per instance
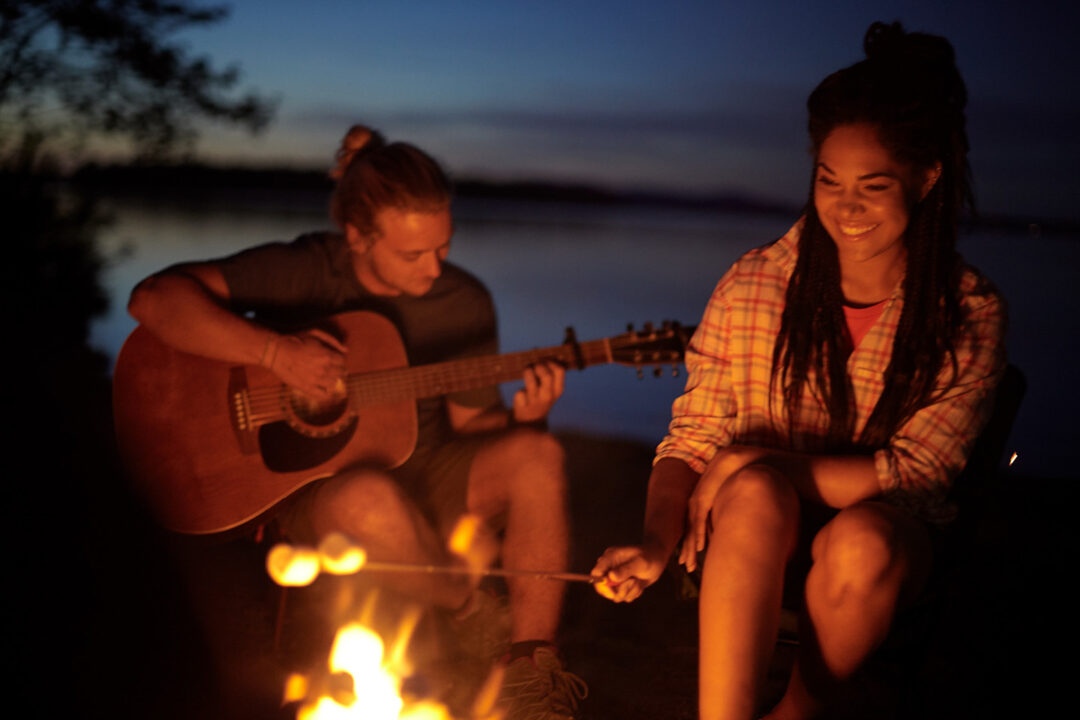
{"x":909,"y":90}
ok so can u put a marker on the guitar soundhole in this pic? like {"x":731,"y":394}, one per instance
{"x":285,"y":450}
{"x":318,"y":414}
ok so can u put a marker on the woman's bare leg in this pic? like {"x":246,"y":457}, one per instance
{"x":755,"y":526}
{"x":869,"y":560}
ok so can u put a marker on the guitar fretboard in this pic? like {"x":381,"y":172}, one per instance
{"x":373,"y":388}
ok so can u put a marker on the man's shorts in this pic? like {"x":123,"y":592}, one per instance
{"x":436,"y":481}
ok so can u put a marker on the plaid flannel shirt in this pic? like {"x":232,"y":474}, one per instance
{"x":729,"y":365}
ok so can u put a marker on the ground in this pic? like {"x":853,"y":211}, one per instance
{"x":136,"y":623}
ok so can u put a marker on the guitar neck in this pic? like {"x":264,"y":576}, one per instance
{"x":406,"y":383}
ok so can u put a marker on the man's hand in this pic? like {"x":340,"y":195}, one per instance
{"x":311,"y":362}
{"x":625,"y":572}
{"x":543,"y":386}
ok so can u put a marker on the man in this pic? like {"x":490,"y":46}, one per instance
{"x":392,"y":206}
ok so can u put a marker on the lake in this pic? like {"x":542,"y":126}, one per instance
{"x":599,"y":267}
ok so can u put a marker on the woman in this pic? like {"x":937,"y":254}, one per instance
{"x":836,"y":384}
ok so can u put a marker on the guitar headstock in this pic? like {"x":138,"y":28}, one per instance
{"x":656,"y":346}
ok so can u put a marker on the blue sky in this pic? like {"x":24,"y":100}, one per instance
{"x":685,"y":96}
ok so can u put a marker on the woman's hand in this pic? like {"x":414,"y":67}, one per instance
{"x":727,"y":461}
{"x":624,"y":572}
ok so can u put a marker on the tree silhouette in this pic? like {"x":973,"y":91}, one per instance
{"x":70,"y":71}
{"x":79,"y":68}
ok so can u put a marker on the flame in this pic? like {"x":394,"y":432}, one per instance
{"x":373,"y":687}
{"x":296,"y":688}
{"x":464,"y":534}
{"x":358,"y":651}
{"x":1015,"y":455}
{"x":362,"y":678}
{"x":484,"y":704}
{"x":396,"y":658}
{"x":424,"y":710}
{"x":473,"y":541}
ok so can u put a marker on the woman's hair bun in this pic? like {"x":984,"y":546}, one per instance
{"x":884,"y":41}
{"x":916,"y":60}
{"x":914,"y":52}
{"x":356,"y":140}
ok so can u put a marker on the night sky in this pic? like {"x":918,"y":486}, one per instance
{"x":698,"y":97}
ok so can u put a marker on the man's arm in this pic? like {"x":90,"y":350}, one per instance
{"x":187,"y":307}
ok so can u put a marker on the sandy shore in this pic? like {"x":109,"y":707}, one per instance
{"x":128,"y":627}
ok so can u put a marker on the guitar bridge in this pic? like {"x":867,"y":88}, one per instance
{"x":240,"y":412}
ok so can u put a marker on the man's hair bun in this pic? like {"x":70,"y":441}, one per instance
{"x":356,"y":140}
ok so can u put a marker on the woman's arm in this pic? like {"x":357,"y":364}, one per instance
{"x":925,"y":454}
{"x":626,"y":571}
{"x":834,"y":480}
{"x":702,"y":419}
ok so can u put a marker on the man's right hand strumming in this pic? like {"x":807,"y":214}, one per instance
{"x":311,"y":362}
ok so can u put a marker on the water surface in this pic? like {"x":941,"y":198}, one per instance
{"x":598,"y":268}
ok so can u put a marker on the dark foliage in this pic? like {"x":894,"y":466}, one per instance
{"x":99,"y":599}
{"x":111,"y":69}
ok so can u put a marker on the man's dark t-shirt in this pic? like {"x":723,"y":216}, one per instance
{"x":289,"y":286}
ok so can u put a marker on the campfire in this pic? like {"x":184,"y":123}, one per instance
{"x":364,"y":675}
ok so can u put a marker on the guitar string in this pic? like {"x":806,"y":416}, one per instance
{"x":405,"y":383}
{"x":409,"y":382}
{"x":477,"y":370}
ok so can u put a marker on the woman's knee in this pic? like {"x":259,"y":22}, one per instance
{"x":758,"y":493}
{"x":862,"y":549}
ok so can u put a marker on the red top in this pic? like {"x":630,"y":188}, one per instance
{"x":861,"y":319}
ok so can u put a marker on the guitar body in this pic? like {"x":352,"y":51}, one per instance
{"x":204,"y":466}
{"x":212,"y":445}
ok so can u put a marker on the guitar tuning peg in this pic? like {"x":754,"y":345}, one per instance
{"x":648,"y":327}
{"x":666,"y":325}
{"x":657,"y":371}
{"x":640,"y":374}
{"x":674,"y":371}
{"x":629,"y":327}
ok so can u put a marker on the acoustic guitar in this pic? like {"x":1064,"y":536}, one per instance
{"x":211,"y":445}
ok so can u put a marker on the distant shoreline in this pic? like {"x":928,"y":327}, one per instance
{"x":198,"y":181}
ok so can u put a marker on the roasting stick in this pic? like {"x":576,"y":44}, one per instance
{"x":487,"y":572}
{"x":299,"y":565}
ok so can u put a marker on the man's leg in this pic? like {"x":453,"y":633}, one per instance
{"x":521,"y":474}
{"x":372,"y":509}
